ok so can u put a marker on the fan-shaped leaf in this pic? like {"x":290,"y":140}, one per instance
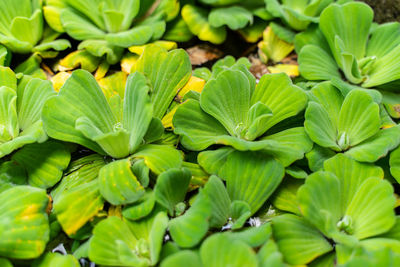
{"x":351,"y":175}
{"x":81,"y":96}
{"x":359,"y":118}
{"x":317,"y":64}
{"x":171,"y":188}
{"x":56,"y":259}
{"x":298,"y":240}
{"x":183,"y":258}
{"x":197,"y":20}
{"x":222,"y":250}
{"x":251,"y":177}
{"x":118,"y":185}
{"x":235,"y":17}
{"x":198,"y":129}
{"x":188,"y":229}
{"x":23,"y":222}
{"x":377,"y":146}
{"x":227,"y":99}
{"x":372,"y":208}
{"x":159,"y":158}
{"x":44,"y":163}
{"x":140,"y":209}
{"x":279,"y":94}
{"x":357,"y":18}
{"x":137,"y":111}
{"x":113,"y":243}
{"x":220,"y":201}
{"x":167,"y":72}
{"x":76,"y":206}
{"x":320,"y":201}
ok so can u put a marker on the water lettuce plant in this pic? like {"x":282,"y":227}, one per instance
{"x":22,"y":104}
{"x":118,"y":125}
{"x":350,"y":124}
{"x":107,"y":27}
{"x":349,"y":203}
{"x":367,"y":58}
{"x":297,"y":14}
{"x":210,"y":24}
{"x":232,"y":110}
{"x":22,"y":28}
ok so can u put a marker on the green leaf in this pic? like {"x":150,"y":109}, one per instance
{"x":395,"y":163}
{"x":384,"y":38}
{"x":30,"y":101}
{"x":351,"y":175}
{"x":56,"y":45}
{"x":167,"y":72}
{"x":76,"y":206}
{"x":56,"y":259}
{"x":137,"y":110}
{"x":235,"y":17}
{"x":197,"y":20}
{"x":8,"y":78}
{"x":279,"y":94}
{"x":28,"y":29}
{"x":6,"y":263}
{"x":269,"y":255}
{"x":222,"y":250}
{"x":141,"y":171}
{"x":183,"y":258}
{"x":212,"y":160}
{"x":9,"y":128}
{"x":285,"y":197}
{"x":372,"y":208}
{"x":23,"y":222}
{"x":113,"y":243}
{"x":79,"y":27}
{"x":377,"y":146}
{"x":239,"y":213}
{"x":44,"y":163}
{"x":100,"y":48}
{"x":159,"y":158}
{"x":171,"y":188}
{"x":118,"y":185}
{"x":317,"y":64}
{"x":298,"y":240}
{"x":288,"y":145}
{"x":384,"y":70}
{"x":251,"y":177}
{"x":11,"y":174}
{"x":77,"y":199}
{"x":198,"y":129}
{"x":317,"y":156}
{"x":82,"y":97}
{"x":136,"y":36}
{"x":330,"y":98}
{"x":320,"y":127}
{"x":320,"y":200}
{"x":140,"y":209}
{"x":357,"y":18}
{"x":227,"y":99}
{"x":189,"y":229}
{"x":220,"y":201}
{"x":178,"y":31}
{"x":253,"y":236}
{"x":358,"y":118}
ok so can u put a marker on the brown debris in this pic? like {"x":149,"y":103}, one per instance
{"x":200,"y":54}
{"x":258,"y":68}
{"x":291,"y":59}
